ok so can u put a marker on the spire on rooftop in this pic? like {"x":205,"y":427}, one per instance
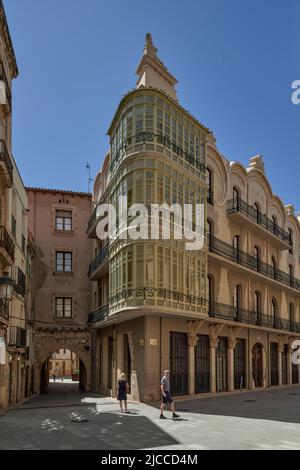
{"x":153,"y":73}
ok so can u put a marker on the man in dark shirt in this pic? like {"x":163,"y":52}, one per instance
{"x":166,"y":397}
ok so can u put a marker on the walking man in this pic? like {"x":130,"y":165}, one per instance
{"x":166,"y":397}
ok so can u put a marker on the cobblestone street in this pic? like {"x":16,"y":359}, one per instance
{"x":66,"y":419}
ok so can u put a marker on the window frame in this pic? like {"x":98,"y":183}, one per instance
{"x":63,"y":316}
{"x":63,"y":220}
{"x":64,"y":253}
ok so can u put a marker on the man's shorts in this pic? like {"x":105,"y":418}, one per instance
{"x":167,"y":398}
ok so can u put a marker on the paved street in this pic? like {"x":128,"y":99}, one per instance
{"x":66,"y":419}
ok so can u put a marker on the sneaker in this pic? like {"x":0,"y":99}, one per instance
{"x":162,"y":417}
{"x":176,"y":415}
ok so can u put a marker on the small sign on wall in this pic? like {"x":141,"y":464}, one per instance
{"x":142,"y":342}
{"x":153,"y":342}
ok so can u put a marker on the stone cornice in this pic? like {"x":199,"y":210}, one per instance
{"x":9,"y":48}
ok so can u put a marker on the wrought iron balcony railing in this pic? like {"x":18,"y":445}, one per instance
{"x":17,"y":337}
{"x":4,"y":157}
{"x":7,"y":243}
{"x":241,"y":315}
{"x":93,"y":219}
{"x":100,"y":259}
{"x":99,"y":315}
{"x":255,"y":264}
{"x":238,"y":205}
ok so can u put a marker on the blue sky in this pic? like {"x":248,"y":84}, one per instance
{"x":235,"y":61}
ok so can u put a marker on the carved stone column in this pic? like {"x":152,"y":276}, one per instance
{"x":280,"y":347}
{"x":193,"y":328}
{"x":214,"y":331}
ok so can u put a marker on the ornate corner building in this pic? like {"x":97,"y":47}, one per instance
{"x":222,"y":318}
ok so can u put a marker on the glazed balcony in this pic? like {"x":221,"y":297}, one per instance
{"x":7,"y":247}
{"x":250,"y":317}
{"x":20,"y":281}
{"x":248,"y":216}
{"x":99,"y":265}
{"x":6,"y":164}
{"x":239,"y":257}
{"x":16,"y":337}
{"x":99,"y":315}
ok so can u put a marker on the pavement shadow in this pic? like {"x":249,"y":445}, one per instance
{"x":282,"y":405}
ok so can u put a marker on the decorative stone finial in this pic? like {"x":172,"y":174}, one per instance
{"x":290,"y":208}
{"x":149,"y":47}
{"x":257,"y":162}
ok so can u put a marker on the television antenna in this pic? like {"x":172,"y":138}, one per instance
{"x":90,"y":180}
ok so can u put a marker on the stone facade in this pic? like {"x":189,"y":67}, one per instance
{"x":222,"y":319}
{"x":58,"y":220}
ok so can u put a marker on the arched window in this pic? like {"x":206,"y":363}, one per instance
{"x":274,"y":312}
{"x":291,"y":249}
{"x":210,"y":291}
{"x":292,"y":316}
{"x":257,"y":307}
{"x":257,"y":211}
{"x":236,"y":199}
{"x":236,"y":248}
{"x":274,"y":221}
{"x":237,"y":301}
{"x":291,"y":274}
{"x":257,"y":258}
{"x":274,"y":268}
{"x":209,"y":228}
{"x":209,"y":185}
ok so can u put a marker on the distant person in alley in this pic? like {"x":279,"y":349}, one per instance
{"x":122,"y":390}
{"x":166,"y":397}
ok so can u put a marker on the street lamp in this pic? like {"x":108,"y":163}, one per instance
{"x":6,"y":288}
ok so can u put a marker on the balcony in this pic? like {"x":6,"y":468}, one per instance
{"x":7,"y":247}
{"x":230,"y":253}
{"x":6,"y":164}
{"x":20,"y":281}
{"x":92,"y":224}
{"x":248,"y":216}
{"x":250,"y":317}
{"x":16,"y":337}
{"x":99,"y":315}
{"x":99,"y":265}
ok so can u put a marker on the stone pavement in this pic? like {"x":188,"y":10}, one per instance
{"x":66,"y":419}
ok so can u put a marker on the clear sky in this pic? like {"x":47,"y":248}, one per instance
{"x":235,"y":61}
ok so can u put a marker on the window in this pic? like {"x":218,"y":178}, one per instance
{"x":23,"y":243}
{"x":274,"y":266}
{"x":236,"y":248}
{"x":292,"y":316}
{"x":236,"y":198}
{"x":274,"y":224}
{"x":63,"y":262}
{"x":291,"y":251}
{"x":13,"y":226}
{"x":63,"y":307}
{"x":209,"y":184}
{"x":257,"y":306}
{"x":237,"y":297}
{"x":257,"y":257}
{"x":256,"y":206}
{"x":274,"y":310}
{"x":63,"y":220}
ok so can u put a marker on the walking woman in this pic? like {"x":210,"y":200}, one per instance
{"x":122,"y":390}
